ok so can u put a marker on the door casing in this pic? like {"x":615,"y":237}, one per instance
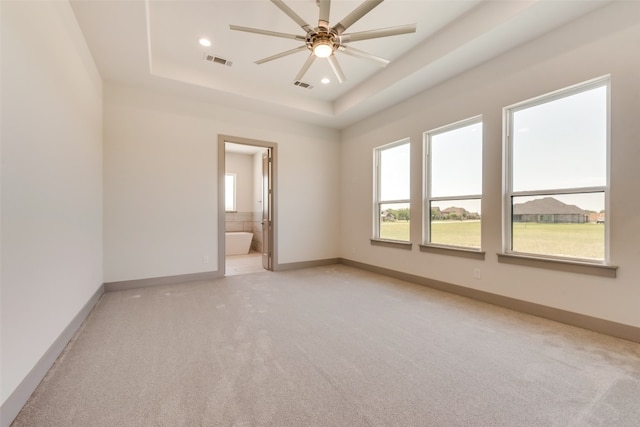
{"x":271,"y":243}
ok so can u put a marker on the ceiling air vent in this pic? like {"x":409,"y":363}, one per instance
{"x":303,"y":84}
{"x":217,"y":60}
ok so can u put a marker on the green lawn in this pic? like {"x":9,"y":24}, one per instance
{"x":394,"y":230}
{"x":455,"y":233}
{"x":573,"y":240}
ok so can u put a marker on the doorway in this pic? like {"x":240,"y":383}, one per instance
{"x":247,"y":212}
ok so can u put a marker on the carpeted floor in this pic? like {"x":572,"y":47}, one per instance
{"x":330,"y":346}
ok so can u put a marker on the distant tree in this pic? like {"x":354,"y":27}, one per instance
{"x":403,"y":214}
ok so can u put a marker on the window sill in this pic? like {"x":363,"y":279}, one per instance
{"x":602,"y":270}
{"x":453,"y":251}
{"x":391,"y":244}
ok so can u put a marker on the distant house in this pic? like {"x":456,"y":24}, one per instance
{"x":549,"y":210}
{"x":454,"y":212}
{"x":597,"y":217}
{"x":387,"y":216}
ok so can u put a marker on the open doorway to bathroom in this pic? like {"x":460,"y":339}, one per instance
{"x":247,"y":174}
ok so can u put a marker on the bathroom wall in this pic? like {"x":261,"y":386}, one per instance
{"x":248,"y":214}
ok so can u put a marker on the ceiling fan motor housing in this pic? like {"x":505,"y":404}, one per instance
{"x":322,"y":36}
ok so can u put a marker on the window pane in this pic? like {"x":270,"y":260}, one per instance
{"x":456,"y":162}
{"x":561,"y":143}
{"x":455,"y":223}
{"x":394,"y":221}
{"x":560,"y":225}
{"x":229,"y":192}
{"x":394,"y":173}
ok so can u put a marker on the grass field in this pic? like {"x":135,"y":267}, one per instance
{"x":456,"y":233}
{"x":572,"y":240}
{"x":394,"y":230}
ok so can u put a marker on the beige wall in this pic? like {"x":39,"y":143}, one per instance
{"x":161,"y":180}
{"x":599,"y":44}
{"x":51,"y":182}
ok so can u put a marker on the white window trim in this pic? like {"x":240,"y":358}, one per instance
{"x":377,"y":186}
{"x":426,"y":179}
{"x":508,"y":192}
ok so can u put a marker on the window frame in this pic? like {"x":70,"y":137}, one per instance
{"x":377,"y":201}
{"x":509,"y":193}
{"x":427,"y":180}
{"x":226,"y":192}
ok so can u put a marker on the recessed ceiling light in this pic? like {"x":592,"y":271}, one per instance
{"x":325,"y":80}
{"x":205,"y":42}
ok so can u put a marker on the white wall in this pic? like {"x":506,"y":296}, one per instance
{"x":602,"y":43}
{"x":242,"y":166}
{"x":51,"y":181}
{"x":161,"y":180}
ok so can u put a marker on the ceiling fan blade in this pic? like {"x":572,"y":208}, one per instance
{"x":374,"y":34}
{"x":280,"y":55}
{"x":305,"y":67}
{"x":291,"y":14}
{"x":361,"y":54}
{"x":325,"y":7}
{"x":336,"y":68}
{"x":266,"y":32}
{"x":366,"y":7}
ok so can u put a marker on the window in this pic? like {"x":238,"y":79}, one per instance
{"x":230,"y":192}
{"x":453,"y":184}
{"x":392,"y":191}
{"x":557,"y":174}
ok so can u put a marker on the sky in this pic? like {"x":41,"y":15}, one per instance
{"x":562,"y":145}
{"x":557,"y":144}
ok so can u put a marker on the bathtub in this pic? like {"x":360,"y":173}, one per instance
{"x":237,"y":243}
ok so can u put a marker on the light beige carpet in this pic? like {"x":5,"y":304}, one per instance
{"x":330,"y":346}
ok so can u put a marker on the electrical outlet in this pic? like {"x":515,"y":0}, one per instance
{"x":205,"y":259}
{"x":476,"y":273}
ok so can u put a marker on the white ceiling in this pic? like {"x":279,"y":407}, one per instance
{"x":155,"y":44}
{"x":231,"y":147}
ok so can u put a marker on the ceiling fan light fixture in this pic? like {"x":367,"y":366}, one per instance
{"x":324,"y":41}
{"x":323,"y":49}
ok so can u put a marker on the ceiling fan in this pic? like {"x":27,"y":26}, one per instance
{"x":324,"y":41}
